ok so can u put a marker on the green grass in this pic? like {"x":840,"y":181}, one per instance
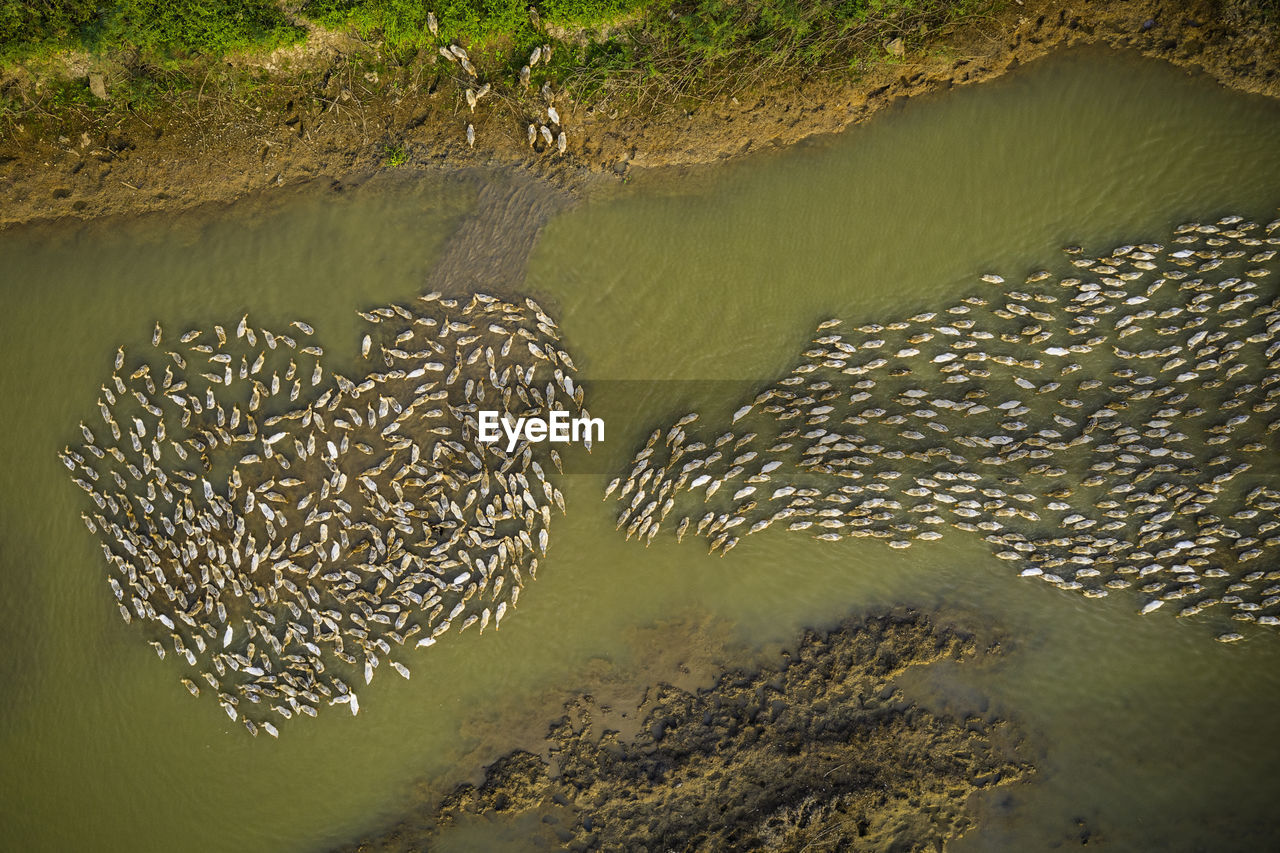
{"x":702,"y":48}
{"x":159,"y":31}
{"x":403,"y":23}
{"x":657,"y":52}
{"x":27,"y":26}
{"x":394,"y":155}
{"x":710,"y":30}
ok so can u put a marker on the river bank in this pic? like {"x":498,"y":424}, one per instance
{"x":85,"y":164}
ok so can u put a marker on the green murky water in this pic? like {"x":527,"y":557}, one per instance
{"x":1152,"y":734}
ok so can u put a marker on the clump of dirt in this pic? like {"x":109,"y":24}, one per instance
{"x":816,"y":751}
{"x":321,"y":110}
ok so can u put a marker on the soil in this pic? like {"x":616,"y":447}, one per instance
{"x":343,"y":127}
{"x":814,"y":750}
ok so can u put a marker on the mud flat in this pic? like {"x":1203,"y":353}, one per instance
{"x":817,"y":750}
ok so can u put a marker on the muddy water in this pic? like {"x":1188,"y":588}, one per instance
{"x":678,"y":291}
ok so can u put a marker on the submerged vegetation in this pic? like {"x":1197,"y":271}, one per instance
{"x":818,"y":750}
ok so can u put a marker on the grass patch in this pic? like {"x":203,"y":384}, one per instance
{"x":658,"y":53}
{"x":160,"y":31}
{"x":30,"y":26}
{"x":394,"y":155}
{"x":403,"y":23}
{"x":703,"y":48}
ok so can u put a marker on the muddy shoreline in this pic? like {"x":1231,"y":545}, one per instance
{"x":215,"y":153}
{"x":814,"y":749}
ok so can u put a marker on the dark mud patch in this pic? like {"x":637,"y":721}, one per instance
{"x":816,"y":750}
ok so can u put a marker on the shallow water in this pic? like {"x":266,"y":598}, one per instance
{"x":1142,"y":727}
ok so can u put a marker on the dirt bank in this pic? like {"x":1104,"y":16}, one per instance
{"x":338,"y":122}
{"x":815,"y":751}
